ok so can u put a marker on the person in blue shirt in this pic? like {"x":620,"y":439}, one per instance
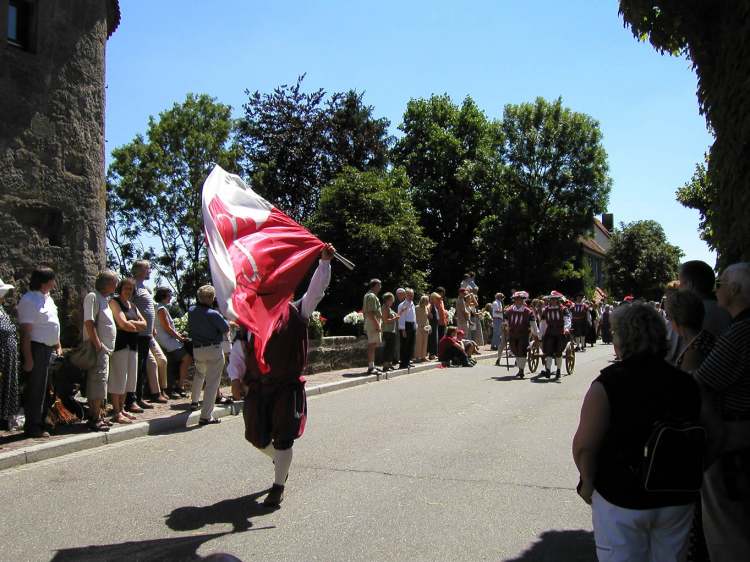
{"x":208,"y":329}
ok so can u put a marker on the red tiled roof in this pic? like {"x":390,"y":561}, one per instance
{"x":600,"y":226}
{"x":591,"y":245}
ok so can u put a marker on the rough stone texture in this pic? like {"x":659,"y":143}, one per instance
{"x":52,"y":192}
{"x":330,"y":354}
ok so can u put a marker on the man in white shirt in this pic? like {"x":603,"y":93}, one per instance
{"x":407,"y":326}
{"x":40,"y":338}
{"x":497,"y":322}
{"x":275,"y":406}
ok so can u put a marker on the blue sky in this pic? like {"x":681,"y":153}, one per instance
{"x":498,"y":52}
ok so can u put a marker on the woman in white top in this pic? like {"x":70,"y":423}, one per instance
{"x":172,"y":342}
{"x":40,"y":338}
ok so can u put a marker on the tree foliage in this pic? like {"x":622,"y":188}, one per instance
{"x":369,"y":217}
{"x":641,"y":261}
{"x":698,"y":194}
{"x":155,"y":188}
{"x":449,"y":153}
{"x":553,"y":180}
{"x":295,"y":142}
{"x":716,"y":38}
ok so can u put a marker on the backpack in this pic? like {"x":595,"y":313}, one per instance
{"x":673,"y":457}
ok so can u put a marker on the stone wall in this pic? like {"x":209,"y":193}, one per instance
{"x":52,"y":192}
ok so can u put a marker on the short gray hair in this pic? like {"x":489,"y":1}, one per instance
{"x":639,"y":328}
{"x":206,"y":295}
{"x":739,"y":274}
{"x":104,"y":278}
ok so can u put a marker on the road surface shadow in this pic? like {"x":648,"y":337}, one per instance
{"x":179,"y":548}
{"x":506,"y":378}
{"x":236,"y":511}
{"x":555,"y":546}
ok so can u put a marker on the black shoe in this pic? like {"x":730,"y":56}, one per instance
{"x":557,"y":375}
{"x":211,"y":421}
{"x":546,"y":373}
{"x":497,"y":363}
{"x":195,"y":406}
{"x":275,"y":496}
{"x":144,"y":405}
{"x":520,"y":374}
{"x":37,"y":433}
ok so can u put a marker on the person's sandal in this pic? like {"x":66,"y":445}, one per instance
{"x":211,"y":421}
{"x":97,"y":425}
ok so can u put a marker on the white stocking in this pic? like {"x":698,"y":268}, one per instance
{"x":558,"y":362}
{"x":282,"y":461}
{"x":521,"y":362}
{"x":548,"y":363}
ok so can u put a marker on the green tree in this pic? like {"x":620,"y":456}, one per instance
{"x":698,"y":194}
{"x":714,"y":35}
{"x":449,"y":153}
{"x":295,"y":142}
{"x":553,"y":180}
{"x":369,"y":217}
{"x":155,"y":187}
{"x":641,"y":261}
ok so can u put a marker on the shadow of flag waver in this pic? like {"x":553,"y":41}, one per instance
{"x":257,"y":255}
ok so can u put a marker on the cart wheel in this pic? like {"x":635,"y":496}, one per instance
{"x":570,"y":359}
{"x":533,"y":357}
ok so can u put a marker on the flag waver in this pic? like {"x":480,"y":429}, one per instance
{"x":257,"y":254}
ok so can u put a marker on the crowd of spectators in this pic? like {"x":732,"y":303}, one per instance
{"x":138,"y":358}
{"x":683,"y":369}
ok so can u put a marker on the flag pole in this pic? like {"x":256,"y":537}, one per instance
{"x":349,"y":265}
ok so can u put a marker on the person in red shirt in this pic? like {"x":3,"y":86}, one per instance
{"x":520,"y":321}
{"x":556,"y":335}
{"x":450,"y":350}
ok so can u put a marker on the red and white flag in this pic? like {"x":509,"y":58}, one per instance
{"x":257,"y":254}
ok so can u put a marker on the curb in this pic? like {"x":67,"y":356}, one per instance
{"x":75,"y":443}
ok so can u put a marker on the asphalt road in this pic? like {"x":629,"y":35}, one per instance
{"x":450,"y":464}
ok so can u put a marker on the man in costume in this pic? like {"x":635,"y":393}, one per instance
{"x":555,"y":336}
{"x":520,"y":322}
{"x":275,"y":407}
{"x":580,"y":314}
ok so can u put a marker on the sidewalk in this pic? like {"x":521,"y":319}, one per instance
{"x":17,"y":450}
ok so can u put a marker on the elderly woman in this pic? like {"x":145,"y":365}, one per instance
{"x":208,"y":329}
{"x":123,"y":364}
{"x":40,"y":338}
{"x":617,"y":418}
{"x":8,"y":362}
{"x":172,"y":343}
{"x":100,"y":329}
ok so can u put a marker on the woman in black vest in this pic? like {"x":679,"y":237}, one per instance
{"x":617,"y":418}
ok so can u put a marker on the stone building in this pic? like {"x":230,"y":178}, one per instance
{"x":52,"y":189}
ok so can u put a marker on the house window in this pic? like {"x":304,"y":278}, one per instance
{"x":20,"y":23}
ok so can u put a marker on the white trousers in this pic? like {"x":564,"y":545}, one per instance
{"x":209,"y":364}
{"x":640,"y":535}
